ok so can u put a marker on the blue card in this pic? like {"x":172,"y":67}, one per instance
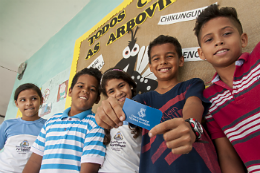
{"x":141,"y":115}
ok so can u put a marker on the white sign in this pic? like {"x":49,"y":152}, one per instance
{"x":191,"y":54}
{"x":180,"y":17}
{"x":97,"y":63}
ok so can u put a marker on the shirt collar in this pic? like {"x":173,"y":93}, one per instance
{"x":80,"y":116}
{"x":243,"y":58}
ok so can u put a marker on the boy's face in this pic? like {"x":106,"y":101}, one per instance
{"x":84,"y":93}
{"x":221,"y":43}
{"x":165,"y":61}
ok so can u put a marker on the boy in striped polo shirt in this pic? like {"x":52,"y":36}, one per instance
{"x":72,"y":141}
{"x":234,"y":116}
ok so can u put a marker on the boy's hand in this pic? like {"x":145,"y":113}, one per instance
{"x":109,"y":114}
{"x":177,"y":133}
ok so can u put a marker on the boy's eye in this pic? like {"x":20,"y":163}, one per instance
{"x":208,"y":40}
{"x":34,"y":98}
{"x":79,"y":86}
{"x":155,"y":59}
{"x":22,"y":100}
{"x":227,"y":33}
{"x":92,"y":89}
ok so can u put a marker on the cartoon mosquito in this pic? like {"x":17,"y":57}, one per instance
{"x":132,"y":55}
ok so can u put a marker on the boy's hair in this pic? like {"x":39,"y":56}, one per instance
{"x":162,"y":39}
{"x":212,"y":12}
{"x":90,"y":71}
{"x":27,"y":86}
{"x":116,"y":74}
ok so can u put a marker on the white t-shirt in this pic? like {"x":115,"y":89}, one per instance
{"x":123,"y":152}
{"x":17,"y":136}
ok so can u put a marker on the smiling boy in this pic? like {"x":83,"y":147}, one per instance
{"x":169,"y":146}
{"x":72,"y":141}
{"x":234,"y":116}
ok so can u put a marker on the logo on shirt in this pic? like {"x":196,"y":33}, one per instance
{"x":141,"y":113}
{"x":118,"y":136}
{"x":25,"y":143}
{"x":23,"y":148}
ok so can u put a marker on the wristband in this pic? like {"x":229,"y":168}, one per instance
{"x":196,"y":127}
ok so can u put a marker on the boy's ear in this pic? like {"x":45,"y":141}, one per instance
{"x":98,"y":99}
{"x":201,"y":54}
{"x":16,"y":103}
{"x":244,"y":40}
{"x":150,"y":67}
{"x":181,"y":61}
{"x":70,"y":90}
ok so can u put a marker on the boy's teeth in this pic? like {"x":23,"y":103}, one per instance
{"x":163,"y":70}
{"x":221,"y":51}
{"x":83,"y":98}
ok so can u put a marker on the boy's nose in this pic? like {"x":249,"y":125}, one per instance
{"x":219,"y":42}
{"x":163,"y":61}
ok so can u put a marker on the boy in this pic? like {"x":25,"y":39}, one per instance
{"x":233,"y":120}
{"x":72,"y":141}
{"x":181,"y":103}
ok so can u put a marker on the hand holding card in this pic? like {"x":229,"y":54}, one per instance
{"x":141,"y":115}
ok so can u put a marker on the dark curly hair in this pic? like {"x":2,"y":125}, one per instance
{"x":162,"y":39}
{"x":212,"y":12}
{"x":118,"y":74}
{"x":90,"y":71}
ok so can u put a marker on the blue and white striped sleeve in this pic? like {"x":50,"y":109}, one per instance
{"x":38,"y":145}
{"x":94,"y":150}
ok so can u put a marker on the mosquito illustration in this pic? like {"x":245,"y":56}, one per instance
{"x":134,"y":55}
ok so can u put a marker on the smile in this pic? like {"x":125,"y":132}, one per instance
{"x":222,"y":51}
{"x":164,"y":69}
{"x":121,"y":99}
{"x":84,"y":98}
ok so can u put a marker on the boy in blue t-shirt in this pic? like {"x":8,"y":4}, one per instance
{"x":182,"y":104}
{"x":72,"y":141}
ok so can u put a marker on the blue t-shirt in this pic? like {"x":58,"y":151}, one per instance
{"x":17,"y":137}
{"x":155,"y":156}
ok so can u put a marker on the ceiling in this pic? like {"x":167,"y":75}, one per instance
{"x":25,"y":26}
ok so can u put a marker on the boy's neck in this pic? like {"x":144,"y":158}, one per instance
{"x":165,"y":86}
{"x":73,"y":112}
{"x":226,"y":74}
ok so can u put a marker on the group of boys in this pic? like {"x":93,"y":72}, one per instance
{"x":72,"y":141}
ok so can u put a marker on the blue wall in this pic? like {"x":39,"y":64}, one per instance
{"x":57,"y":54}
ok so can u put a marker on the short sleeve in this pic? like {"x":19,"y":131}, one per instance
{"x":3,"y":136}
{"x":94,"y":149}
{"x":214,"y":130}
{"x":39,"y":144}
{"x":138,"y":98}
{"x":195,"y":88}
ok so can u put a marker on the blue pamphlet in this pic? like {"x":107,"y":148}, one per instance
{"x":141,"y":115}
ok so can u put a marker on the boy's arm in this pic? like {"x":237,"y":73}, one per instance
{"x":176,"y":132}
{"x":34,"y":164}
{"x":229,"y":160}
{"x":89,"y":168}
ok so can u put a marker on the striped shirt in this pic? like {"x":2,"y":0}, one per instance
{"x":235,"y":113}
{"x":66,"y":142}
